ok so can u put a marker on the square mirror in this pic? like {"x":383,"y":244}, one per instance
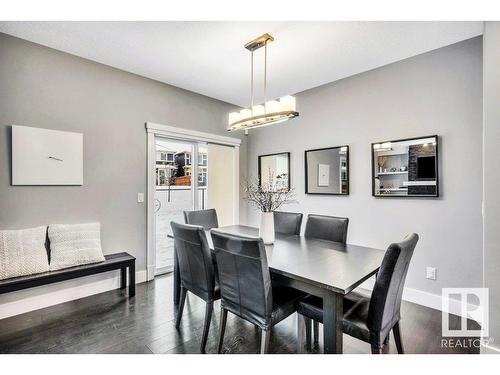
{"x":406,"y":168}
{"x":277,"y":167}
{"x":327,"y":171}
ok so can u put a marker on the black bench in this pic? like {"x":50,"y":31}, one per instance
{"x":120,"y":261}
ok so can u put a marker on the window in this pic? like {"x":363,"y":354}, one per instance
{"x":202,"y":177}
{"x":188,"y":158}
{"x":202,"y":159}
{"x":161,"y":177}
{"x":170,"y":156}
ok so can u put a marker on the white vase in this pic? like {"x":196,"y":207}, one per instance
{"x":266,"y":229}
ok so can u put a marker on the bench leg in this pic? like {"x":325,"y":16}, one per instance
{"x":123,"y":278}
{"x":131,"y":278}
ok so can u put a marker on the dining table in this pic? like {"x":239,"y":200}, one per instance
{"x":326,"y":269}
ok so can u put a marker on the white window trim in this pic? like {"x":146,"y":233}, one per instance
{"x":181,"y":134}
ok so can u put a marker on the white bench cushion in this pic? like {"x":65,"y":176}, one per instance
{"x":23,"y":252}
{"x":74,"y":244}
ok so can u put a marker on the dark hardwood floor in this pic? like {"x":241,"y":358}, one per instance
{"x":111,"y":323}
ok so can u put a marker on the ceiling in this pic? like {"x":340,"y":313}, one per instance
{"x":209,"y":58}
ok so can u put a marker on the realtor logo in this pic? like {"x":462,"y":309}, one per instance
{"x":471,"y":306}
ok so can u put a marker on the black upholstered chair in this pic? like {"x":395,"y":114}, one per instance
{"x":371,"y":319}
{"x":287,"y":222}
{"x":329,"y":228}
{"x":206,"y":218}
{"x":196,"y":270}
{"x":245,"y":285}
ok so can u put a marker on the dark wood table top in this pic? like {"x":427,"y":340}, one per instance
{"x":325,"y":264}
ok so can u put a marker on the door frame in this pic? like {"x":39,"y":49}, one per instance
{"x":153,"y":130}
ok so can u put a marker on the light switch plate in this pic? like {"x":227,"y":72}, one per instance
{"x":431,"y":273}
{"x":140,"y":197}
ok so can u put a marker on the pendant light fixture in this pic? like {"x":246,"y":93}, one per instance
{"x":271,"y":112}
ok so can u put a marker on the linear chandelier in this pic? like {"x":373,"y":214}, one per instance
{"x":271,"y":112}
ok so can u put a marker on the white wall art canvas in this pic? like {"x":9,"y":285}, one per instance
{"x":323,"y":174}
{"x":46,"y":157}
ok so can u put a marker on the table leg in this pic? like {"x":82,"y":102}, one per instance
{"x":177,"y":280}
{"x":332,"y":322}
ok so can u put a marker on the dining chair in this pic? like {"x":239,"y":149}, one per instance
{"x":329,"y":228}
{"x":206,"y":218}
{"x":196,"y":271}
{"x":371,"y":319}
{"x":246,"y":287}
{"x":287,"y":222}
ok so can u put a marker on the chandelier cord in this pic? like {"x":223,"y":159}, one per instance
{"x":251,"y":82}
{"x":265,"y":73}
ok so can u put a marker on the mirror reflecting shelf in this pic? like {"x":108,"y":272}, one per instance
{"x":405,"y":168}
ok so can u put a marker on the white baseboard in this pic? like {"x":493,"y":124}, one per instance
{"x":434,"y":301}
{"x":26,"y":300}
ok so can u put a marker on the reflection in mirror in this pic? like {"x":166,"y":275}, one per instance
{"x":277,"y":167}
{"x":327,"y":171}
{"x":406,"y":168}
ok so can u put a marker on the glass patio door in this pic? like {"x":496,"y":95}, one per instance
{"x":181,"y":184}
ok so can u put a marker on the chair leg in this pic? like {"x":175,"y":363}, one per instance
{"x":301,"y":328}
{"x":308,"y":323}
{"x":384,"y":349}
{"x":264,"y":341}
{"x":181,"y":307}
{"x":206,"y":327}
{"x":316,"y":332}
{"x":222,"y":328}
{"x":397,"y":338}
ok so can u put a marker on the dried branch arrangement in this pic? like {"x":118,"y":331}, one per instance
{"x":267,"y":197}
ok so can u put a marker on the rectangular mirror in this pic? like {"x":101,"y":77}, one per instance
{"x":327,"y":171}
{"x":277,"y":167}
{"x":406,"y":168}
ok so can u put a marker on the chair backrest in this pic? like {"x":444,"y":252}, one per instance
{"x":196,"y":267}
{"x":287,"y":222}
{"x":386,"y":295}
{"x":206,"y":218}
{"x":244,"y":278}
{"x":329,"y":228}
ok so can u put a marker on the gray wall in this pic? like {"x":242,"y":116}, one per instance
{"x":45,"y":88}
{"x":491,"y":175}
{"x":439,"y":92}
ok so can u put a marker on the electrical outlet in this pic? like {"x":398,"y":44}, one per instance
{"x":431,"y":273}
{"x":140,"y":197}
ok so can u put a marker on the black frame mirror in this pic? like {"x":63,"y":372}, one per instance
{"x":406,"y":168}
{"x":277,"y":165}
{"x":327,"y":171}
